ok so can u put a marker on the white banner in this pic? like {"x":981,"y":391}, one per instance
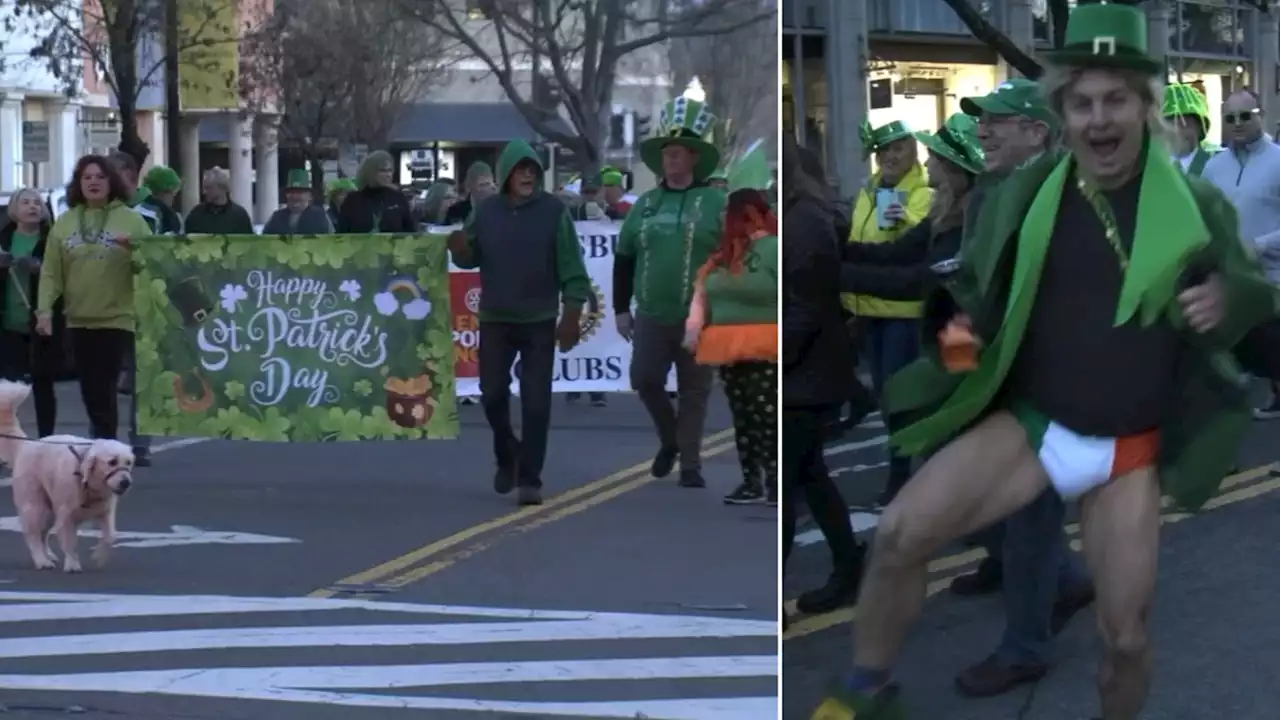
{"x":600,"y":363}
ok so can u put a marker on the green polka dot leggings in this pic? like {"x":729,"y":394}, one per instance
{"x":752,"y":389}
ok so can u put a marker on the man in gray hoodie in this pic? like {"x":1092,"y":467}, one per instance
{"x":526,"y":248}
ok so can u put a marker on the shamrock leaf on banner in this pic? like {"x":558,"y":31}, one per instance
{"x":231,"y":296}
{"x":351,"y":288}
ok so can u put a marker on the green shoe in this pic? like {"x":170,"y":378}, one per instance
{"x":844,"y":704}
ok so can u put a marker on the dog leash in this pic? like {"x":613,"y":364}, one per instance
{"x":67,"y":443}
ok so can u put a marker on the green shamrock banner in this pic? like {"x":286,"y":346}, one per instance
{"x":303,"y":338}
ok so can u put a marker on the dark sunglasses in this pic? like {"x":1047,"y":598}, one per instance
{"x":1241,"y":117}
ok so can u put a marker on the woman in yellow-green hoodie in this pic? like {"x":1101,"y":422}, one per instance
{"x":88,"y":264}
{"x":895,"y":200}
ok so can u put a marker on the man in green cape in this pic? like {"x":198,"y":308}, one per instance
{"x":666,"y":238}
{"x":1085,"y":345}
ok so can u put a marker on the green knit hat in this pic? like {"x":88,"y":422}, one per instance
{"x":1107,"y":35}
{"x":338,"y":185}
{"x":161,"y":178}
{"x":298,"y":180}
{"x":875,"y":138}
{"x":1181,"y":100}
{"x":957,"y":142}
{"x":687,"y":123}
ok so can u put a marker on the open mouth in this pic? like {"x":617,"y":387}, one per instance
{"x":1104,"y":149}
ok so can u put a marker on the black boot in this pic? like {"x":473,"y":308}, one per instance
{"x":988,"y":578}
{"x":832,"y":517}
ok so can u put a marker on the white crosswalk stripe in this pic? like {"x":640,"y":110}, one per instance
{"x":88,"y":631}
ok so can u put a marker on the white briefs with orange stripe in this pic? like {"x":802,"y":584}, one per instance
{"x":1078,"y":463}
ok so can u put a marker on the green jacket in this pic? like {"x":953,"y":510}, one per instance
{"x":668,"y":235}
{"x":996,"y":288}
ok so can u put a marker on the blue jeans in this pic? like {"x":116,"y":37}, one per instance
{"x":892,"y":344}
{"x":1038,"y":565}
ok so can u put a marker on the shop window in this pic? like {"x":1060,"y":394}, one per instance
{"x":1209,"y":28}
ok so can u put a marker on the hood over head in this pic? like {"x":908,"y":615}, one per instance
{"x":512,"y":154}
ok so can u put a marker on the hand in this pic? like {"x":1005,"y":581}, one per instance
{"x":6,"y":259}
{"x":27,"y":263}
{"x":895,"y":212}
{"x":624,"y":324}
{"x":124,"y":241}
{"x":44,"y":324}
{"x":692,"y":334}
{"x":569,"y":331}
{"x":458,"y":244}
{"x":1203,"y":305}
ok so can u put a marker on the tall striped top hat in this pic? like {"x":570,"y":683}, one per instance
{"x":688,"y":123}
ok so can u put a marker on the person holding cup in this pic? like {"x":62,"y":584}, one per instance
{"x":897,"y":198}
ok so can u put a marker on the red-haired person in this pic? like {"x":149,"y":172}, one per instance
{"x":733,"y":325}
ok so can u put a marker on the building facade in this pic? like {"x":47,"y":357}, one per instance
{"x":913,"y":60}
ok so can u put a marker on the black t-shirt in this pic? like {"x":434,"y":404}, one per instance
{"x":1074,"y":365}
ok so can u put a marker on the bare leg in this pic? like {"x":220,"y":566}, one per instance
{"x":984,"y":475}
{"x":102,"y":552}
{"x":35,"y":519}
{"x":65,"y":527}
{"x":1120,"y":527}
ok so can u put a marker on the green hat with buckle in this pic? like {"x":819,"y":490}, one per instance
{"x":1107,"y":35}
{"x":1181,"y":100}
{"x":1015,"y":96}
{"x":687,"y":123}
{"x":875,"y":138}
{"x":298,"y":180}
{"x":957,"y":142}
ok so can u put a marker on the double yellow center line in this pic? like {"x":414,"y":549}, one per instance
{"x":434,"y":557}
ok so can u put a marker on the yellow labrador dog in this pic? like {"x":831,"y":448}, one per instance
{"x":61,"y":483}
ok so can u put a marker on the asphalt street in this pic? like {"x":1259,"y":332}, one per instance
{"x":1213,"y":626}
{"x":387,"y":580}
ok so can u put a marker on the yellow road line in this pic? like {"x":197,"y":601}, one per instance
{"x":563,"y":505}
{"x":818,"y":623}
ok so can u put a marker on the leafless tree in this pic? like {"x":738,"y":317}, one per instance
{"x":575,"y":49}
{"x":738,"y":72}
{"x":341,"y":71}
{"x":123,"y":41}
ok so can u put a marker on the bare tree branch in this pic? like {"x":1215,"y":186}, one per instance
{"x":577,"y":47}
{"x":343,"y":70}
{"x":989,"y":35}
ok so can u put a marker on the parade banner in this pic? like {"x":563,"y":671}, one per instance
{"x":306,"y":338}
{"x":598,"y":364}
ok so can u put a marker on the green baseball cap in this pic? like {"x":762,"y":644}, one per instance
{"x":1016,"y":96}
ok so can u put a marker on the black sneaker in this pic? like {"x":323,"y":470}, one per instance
{"x":504,"y":479}
{"x":571,"y":398}
{"x":771,"y":499}
{"x":1270,"y":412}
{"x":745,"y":494}
{"x":142,"y":457}
{"x":598,"y":400}
{"x":529,"y":495}
{"x":664,"y":462}
{"x":691,"y":479}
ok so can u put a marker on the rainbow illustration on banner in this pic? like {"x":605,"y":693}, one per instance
{"x":405,"y":283}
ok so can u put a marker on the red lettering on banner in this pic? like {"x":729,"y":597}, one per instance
{"x":464,"y":298}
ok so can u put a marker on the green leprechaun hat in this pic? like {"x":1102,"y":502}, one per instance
{"x":298,"y":180}
{"x":687,"y":123}
{"x":1107,"y":35}
{"x":957,"y":142}
{"x":1181,"y":100}
{"x":875,"y":138}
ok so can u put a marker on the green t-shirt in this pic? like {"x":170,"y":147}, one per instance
{"x":17,"y":313}
{"x":670,"y":233}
